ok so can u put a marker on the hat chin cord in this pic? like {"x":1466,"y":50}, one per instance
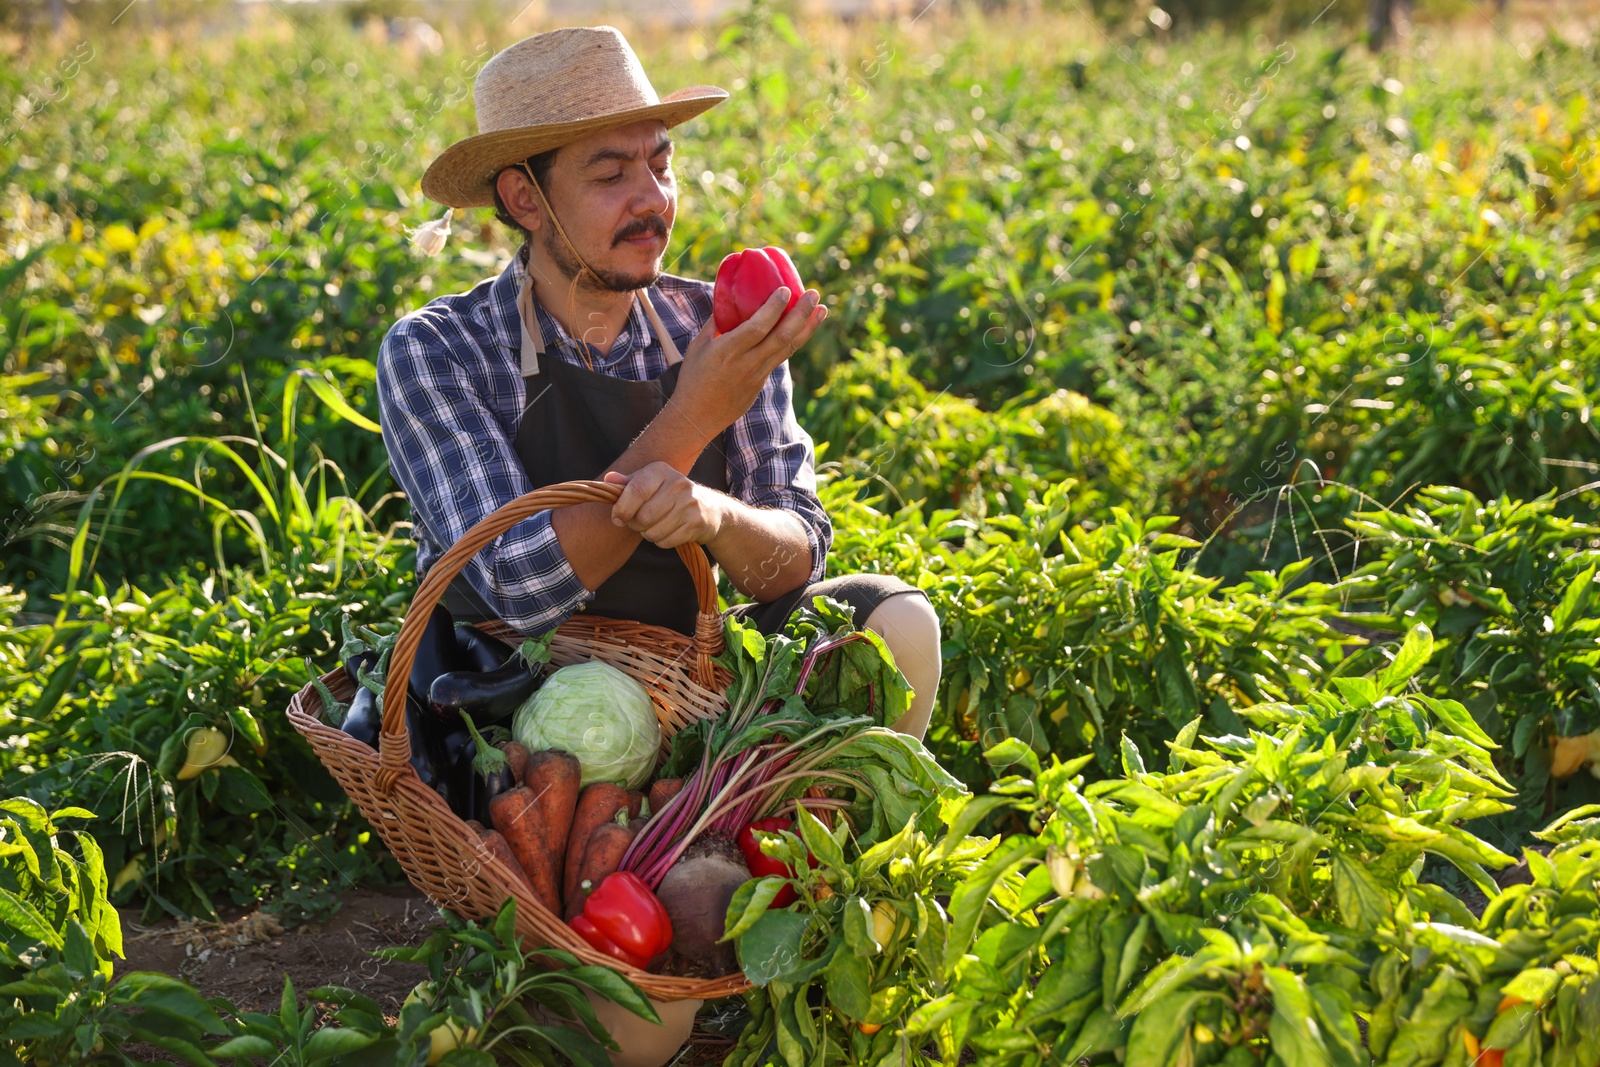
{"x":559,"y":228}
{"x":562,"y":231}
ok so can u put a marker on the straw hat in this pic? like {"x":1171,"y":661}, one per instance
{"x":546,"y":91}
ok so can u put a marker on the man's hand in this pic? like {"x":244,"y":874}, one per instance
{"x":665,"y":507}
{"x":723,"y":374}
{"x":764,"y":550}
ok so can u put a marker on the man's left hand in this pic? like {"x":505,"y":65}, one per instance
{"x":665,"y":507}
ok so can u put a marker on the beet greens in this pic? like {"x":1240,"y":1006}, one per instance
{"x":807,"y":707}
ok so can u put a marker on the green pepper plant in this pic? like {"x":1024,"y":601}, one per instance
{"x":871,"y":937}
{"x":1510,"y":590}
{"x":1218,"y":907}
{"x":1223,"y":907}
{"x":1520,"y":985}
{"x":59,"y":1003}
{"x":1070,"y":634}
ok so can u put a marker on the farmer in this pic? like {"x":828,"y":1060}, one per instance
{"x":584,"y":360}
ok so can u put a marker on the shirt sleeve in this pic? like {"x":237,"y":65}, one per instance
{"x":772,"y":464}
{"x":456,"y":463}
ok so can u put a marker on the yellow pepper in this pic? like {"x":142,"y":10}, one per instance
{"x":885,"y":923}
{"x":130,"y":873}
{"x":207,"y":748}
{"x":442,"y":1039}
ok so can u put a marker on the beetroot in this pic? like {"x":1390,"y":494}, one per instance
{"x":696,"y":892}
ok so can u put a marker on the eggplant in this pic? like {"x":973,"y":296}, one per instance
{"x":364,"y":718}
{"x":364,"y":721}
{"x":455,"y":766}
{"x":437,"y":653}
{"x":486,"y":789}
{"x":356,"y":664}
{"x":474,"y":790}
{"x":424,"y":745}
{"x":470,"y":792}
{"x":482,"y":652}
{"x":487,"y":697}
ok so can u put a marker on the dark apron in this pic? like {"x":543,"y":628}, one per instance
{"x":576,"y":423}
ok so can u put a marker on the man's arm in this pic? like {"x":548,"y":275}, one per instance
{"x":721,"y":378}
{"x":766,"y":551}
{"x":453,"y":458}
{"x":595,"y":544}
{"x":772,"y":469}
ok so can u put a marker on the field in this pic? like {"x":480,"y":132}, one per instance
{"x":1229,"y":389}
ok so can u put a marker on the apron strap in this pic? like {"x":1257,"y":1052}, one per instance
{"x":533,"y":338}
{"x":667,"y":346}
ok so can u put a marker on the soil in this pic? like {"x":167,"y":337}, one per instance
{"x":245,"y":959}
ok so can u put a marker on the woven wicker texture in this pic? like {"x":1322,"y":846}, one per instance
{"x":437,"y":850}
{"x":546,"y":91}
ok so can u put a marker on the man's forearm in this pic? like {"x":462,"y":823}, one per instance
{"x":764,"y":551}
{"x":594,"y":545}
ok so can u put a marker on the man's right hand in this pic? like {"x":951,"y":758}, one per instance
{"x":665,"y":507}
{"x":723,"y":374}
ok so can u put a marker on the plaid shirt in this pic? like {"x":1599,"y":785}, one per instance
{"x":451,"y":395}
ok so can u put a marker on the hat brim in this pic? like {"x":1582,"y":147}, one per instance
{"x":463,"y":174}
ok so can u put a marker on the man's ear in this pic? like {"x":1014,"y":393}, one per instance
{"x":521,"y":202}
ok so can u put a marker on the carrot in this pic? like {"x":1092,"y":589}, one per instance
{"x":597,"y":806}
{"x":553,"y":777}
{"x":516,"y":758}
{"x":495,"y":842}
{"x":602,"y":856}
{"x":516,"y":816}
{"x":663,"y":791}
{"x":635,"y":803}
{"x":475,"y":826}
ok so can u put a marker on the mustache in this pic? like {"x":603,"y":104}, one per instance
{"x":652,"y":226}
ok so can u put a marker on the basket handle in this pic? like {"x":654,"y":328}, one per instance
{"x":394,"y":747}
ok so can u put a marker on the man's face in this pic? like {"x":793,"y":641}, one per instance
{"x":616,"y":197}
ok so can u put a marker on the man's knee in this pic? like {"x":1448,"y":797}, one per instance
{"x":910,"y":627}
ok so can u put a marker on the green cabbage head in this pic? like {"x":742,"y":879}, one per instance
{"x":598,"y":714}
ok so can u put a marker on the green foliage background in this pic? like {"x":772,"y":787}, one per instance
{"x":1263,"y":259}
{"x":1140,"y":356}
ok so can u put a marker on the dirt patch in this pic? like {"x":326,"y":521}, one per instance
{"x":246,"y":959}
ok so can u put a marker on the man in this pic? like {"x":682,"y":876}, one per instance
{"x":567,"y":366}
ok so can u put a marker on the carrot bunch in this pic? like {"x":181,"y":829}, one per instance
{"x":561,"y":840}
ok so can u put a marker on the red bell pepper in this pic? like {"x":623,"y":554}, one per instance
{"x":623,"y":919}
{"x":747,"y":279}
{"x":761,"y":865}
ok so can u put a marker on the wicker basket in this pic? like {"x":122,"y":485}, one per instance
{"x":438,"y":851}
